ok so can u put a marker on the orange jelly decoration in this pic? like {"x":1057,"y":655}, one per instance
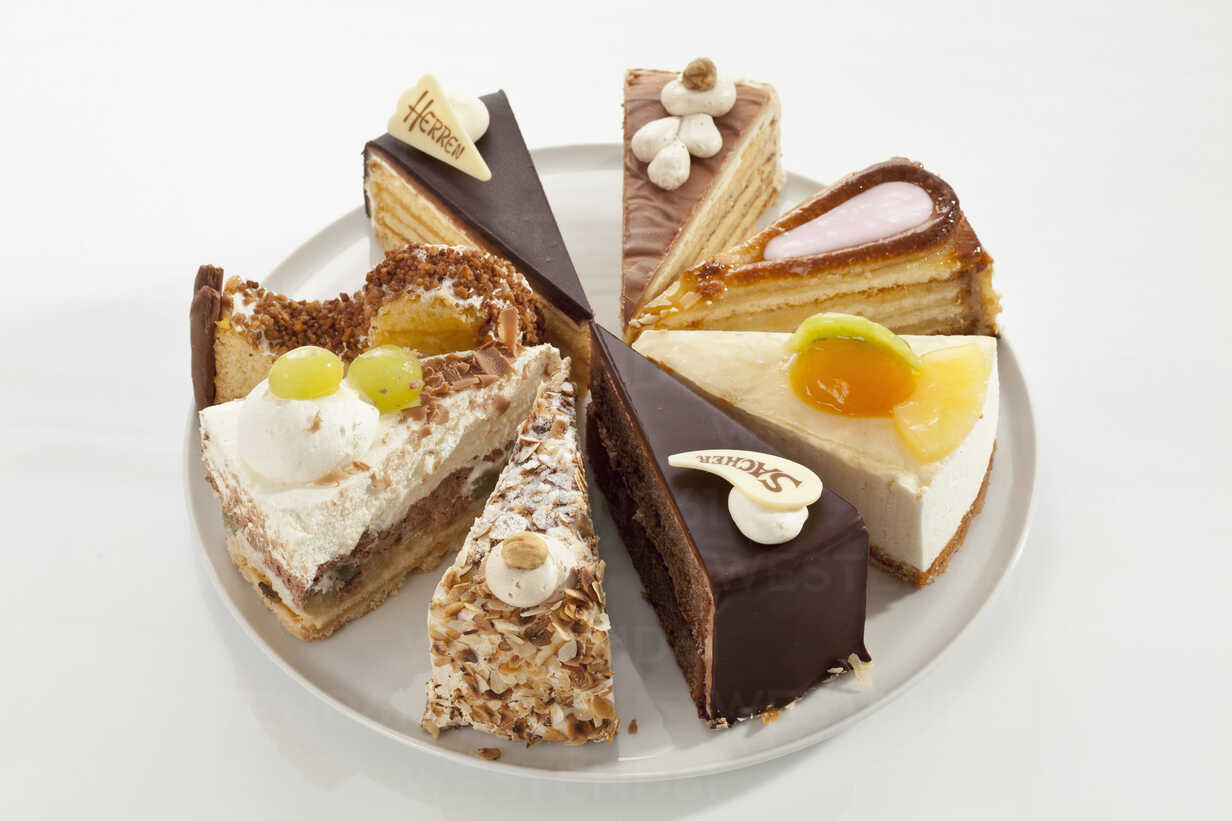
{"x":851,"y":377}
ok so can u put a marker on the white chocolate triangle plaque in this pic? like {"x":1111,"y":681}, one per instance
{"x":770,"y":480}
{"x":425,"y":120}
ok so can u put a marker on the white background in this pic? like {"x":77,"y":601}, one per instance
{"x":1089,"y":144}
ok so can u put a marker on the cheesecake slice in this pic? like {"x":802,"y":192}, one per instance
{"x":753,"y":626}
{"x":518,"y":628}
{"x":889,"y":243}
{"x":329,"y":503}
{"x":917,"y":512}
{"x":413,"y":197}
{"x":666,"y":231}
{"x":432,"y":298}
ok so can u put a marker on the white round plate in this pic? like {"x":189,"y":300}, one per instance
{"x":374,"y":669}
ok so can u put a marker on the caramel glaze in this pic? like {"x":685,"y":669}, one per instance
{"x":744,"y":263}
{"x":653,"y":218}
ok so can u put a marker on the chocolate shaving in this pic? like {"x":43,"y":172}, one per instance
{"x":316,"y":423}
{"x":507,"y":329}
{"x":203,"y":318}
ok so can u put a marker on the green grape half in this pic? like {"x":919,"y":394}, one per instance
{"x":389,"y":375}
{"x":307,"y":372}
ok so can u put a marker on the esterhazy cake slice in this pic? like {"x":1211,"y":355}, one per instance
{"x":753,"y":625}
{"x":413,"y":197}
{"x":665,"y":231}
{"x":432,"y":298}
{"x":329,"y":503}
{"x":917,"y":511}
{"x":889,"y":243}
{"x":517,"y":626}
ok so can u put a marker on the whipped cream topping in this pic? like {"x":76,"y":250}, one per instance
{"x":293,"y":441}
{"x":882,"y":211}
{"x":762,"y":524}
{"x":520,"y":587}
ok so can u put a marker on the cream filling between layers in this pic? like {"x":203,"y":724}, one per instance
{"x":307,"y":526}
{"x":912,"y":509}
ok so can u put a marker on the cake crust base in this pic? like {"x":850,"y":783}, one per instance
{"x":914,"y":575}
{"x":417,"y":557}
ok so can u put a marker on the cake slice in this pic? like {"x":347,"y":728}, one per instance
{"x":666,"y":231}
{"x":889,"y":243}
{"x":329,"y":502}
{"x":518,"y":627}
{"x":917,"y":510}
{"x":413,"y":197}
{"x":753,"y":626}
{"x":431,"y":298}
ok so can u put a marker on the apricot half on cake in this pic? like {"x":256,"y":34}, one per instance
{"x":852,"y":366}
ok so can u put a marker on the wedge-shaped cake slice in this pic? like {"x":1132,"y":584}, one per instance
{"x":329,"y":503}
{"x":666,"y":231}
{"x":753,"y":626}
{"x":518,"y":626}
{"x":917,"y":512}
{"x":431,"y":298}
{"x":889,"y":243}
{"x":413,"y":197}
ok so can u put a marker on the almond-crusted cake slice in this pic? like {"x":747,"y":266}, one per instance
{"x":518,"y":626}
{"x":432,"y":298}
{"x":396,"y":493}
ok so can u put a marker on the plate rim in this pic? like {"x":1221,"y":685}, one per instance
{"x":596,"y":157}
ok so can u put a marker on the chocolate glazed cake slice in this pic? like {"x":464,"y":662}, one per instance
{"x":413,"y":197}
{"x":753,"y":626}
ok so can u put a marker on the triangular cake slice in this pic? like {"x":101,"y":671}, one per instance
{"x":328,"y":542}
{"x":431,"y":298}
{"x":664,"y":231}
{"x":413,"y":197}
{"x":917,"y":512}
{"x":753,"y":626}
{"x":889,"y":243}
{"x":518,"y":628}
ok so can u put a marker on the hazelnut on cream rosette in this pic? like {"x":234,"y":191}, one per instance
{"x":770,"y":495}
{"x":527,"y":568}
{"x":692,"y":102}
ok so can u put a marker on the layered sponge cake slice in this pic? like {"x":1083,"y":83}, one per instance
{"x":666,"y":231}
{"x":889,"y":243}
{"x":518,"y":628}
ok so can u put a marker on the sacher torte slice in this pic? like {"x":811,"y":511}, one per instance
{"x":518,"y":627}
{"x":731,"y":166}
{"x":889,"y":243}
{"x":753,"y":626}
{"x":411,"y":196}
{"x":430,"y":298}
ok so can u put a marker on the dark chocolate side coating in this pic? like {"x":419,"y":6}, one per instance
{"x":784,"y":614}
{"x":510,"y":210}
{"x":202,"y":318}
